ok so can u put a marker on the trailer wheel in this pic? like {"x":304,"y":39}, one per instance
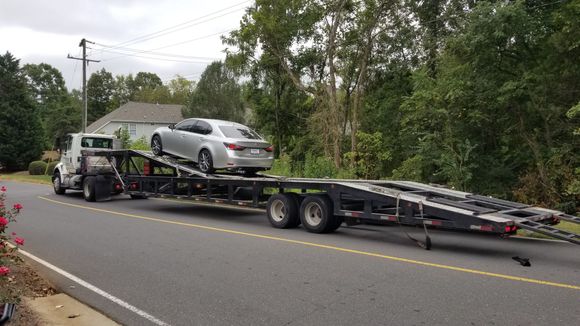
{"x":57,"y":184}
{"x":316,"y":214}
{"x":89,"y":188}
{"x":282,"y":210}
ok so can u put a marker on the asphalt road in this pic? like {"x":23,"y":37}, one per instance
{"x":189,"y":264}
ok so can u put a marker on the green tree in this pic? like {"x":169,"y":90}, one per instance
{"x":100,"y":90}
{"x":217,"y":95}
{"x":20,"y":127}
{"x":59,"y":113}
{"x":181,"y":90}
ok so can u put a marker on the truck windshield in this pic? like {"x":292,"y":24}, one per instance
{"x":89,"y":142}
{"x":239,"y":132}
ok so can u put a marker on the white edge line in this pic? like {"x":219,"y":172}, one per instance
{"x":95,"y":289}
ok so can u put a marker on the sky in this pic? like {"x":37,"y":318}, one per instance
{"x":163,"y":37}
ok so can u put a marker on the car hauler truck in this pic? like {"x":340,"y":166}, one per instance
{"x":320,"y":205}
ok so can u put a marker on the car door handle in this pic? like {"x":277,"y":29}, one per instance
{"x":202,"y":138}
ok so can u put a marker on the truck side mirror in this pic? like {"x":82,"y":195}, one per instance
{"x":172,"y":126}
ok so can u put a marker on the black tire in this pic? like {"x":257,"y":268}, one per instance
{"x":282,"y":211}
{"x":316,"y":214}
{"x":57,"y":184}
{"x":138,"y":196}
{"x":89,"y":189}
{"x":157,"y":146}
{"x":205,"y":161}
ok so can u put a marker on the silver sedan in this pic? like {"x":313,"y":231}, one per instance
{"x":214,"y":144}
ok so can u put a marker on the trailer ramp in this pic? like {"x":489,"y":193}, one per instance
{"x":439,"y":204}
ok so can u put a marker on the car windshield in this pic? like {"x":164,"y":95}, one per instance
{"x":96,"y":142}
{"x":239,"y":132}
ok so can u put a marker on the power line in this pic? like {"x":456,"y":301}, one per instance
{"x":168,"y":46}
{"x":153,"y":58}
{"x":151,"y":52}
{"x":178,"y":27}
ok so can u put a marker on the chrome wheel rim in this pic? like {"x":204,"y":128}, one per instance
{"x":204,"y":161}
{"x":278,"y":210}
{"x":156,"y":146}
{"x":313,"y":214}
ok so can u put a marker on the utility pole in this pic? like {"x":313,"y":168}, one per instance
{"x":85,"y":63}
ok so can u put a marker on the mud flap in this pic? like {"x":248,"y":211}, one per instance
{"x":103,"y":186}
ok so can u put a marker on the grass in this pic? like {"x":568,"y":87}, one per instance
{"x":25,"y":177}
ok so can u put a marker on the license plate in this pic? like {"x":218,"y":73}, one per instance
{"x":255,"y":151}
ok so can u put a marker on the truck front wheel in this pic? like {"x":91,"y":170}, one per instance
{"x":89,"y":188}
{"x":57,"y":184}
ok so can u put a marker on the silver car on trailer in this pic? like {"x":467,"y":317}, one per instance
{"x":214,"y":144}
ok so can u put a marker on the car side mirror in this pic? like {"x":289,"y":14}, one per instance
{"x":172,"y":126}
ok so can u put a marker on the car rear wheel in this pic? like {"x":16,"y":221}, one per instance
{"x":205,"y":161}
{"x":156,"y":145}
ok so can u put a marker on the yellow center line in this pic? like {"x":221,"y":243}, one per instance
{"x":317,"y":245}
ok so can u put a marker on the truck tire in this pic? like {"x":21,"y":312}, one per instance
{"x":316,"y":214}
{"x":89,"y":188}
{"x":57,"y":184}
{"x":282,"y":211}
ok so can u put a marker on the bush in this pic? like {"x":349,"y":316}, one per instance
{"x":51,"y":167}
{"x":37,"y":167}
{"x":282,"y":166}
{"x":319,"y":167}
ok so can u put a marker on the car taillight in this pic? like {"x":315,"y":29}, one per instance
{"x":269,"y":148}
{"x":234,"y":147}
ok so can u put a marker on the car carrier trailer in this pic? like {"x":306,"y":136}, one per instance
{"x":320,"y":205}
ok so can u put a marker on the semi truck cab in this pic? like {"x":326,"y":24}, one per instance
{"x":68,"y":173}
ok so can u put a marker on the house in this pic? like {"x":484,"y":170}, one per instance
{"x":139,"y":119}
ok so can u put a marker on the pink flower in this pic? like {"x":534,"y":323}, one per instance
{"x":3,"y":222}
{"x":19,"y":241}
{"x":4,"y":270}
{"x":17,"y":207}
{"x":3,"y":189}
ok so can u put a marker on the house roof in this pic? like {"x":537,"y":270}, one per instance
{"x":140,"y":112}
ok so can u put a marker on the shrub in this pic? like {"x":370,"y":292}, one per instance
{"x":37,"y":167}
{"x":282,"y":166}
{"x":51,"y":167}
{"x":318,"y":167}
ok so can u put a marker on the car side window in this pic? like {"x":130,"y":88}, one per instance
{"x":185,"y":125}
{"x":203,"y":128}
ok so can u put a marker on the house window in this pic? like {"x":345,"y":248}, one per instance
{"x":131,"y":128}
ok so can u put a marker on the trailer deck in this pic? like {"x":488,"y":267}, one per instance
{"x":322,"y":205}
